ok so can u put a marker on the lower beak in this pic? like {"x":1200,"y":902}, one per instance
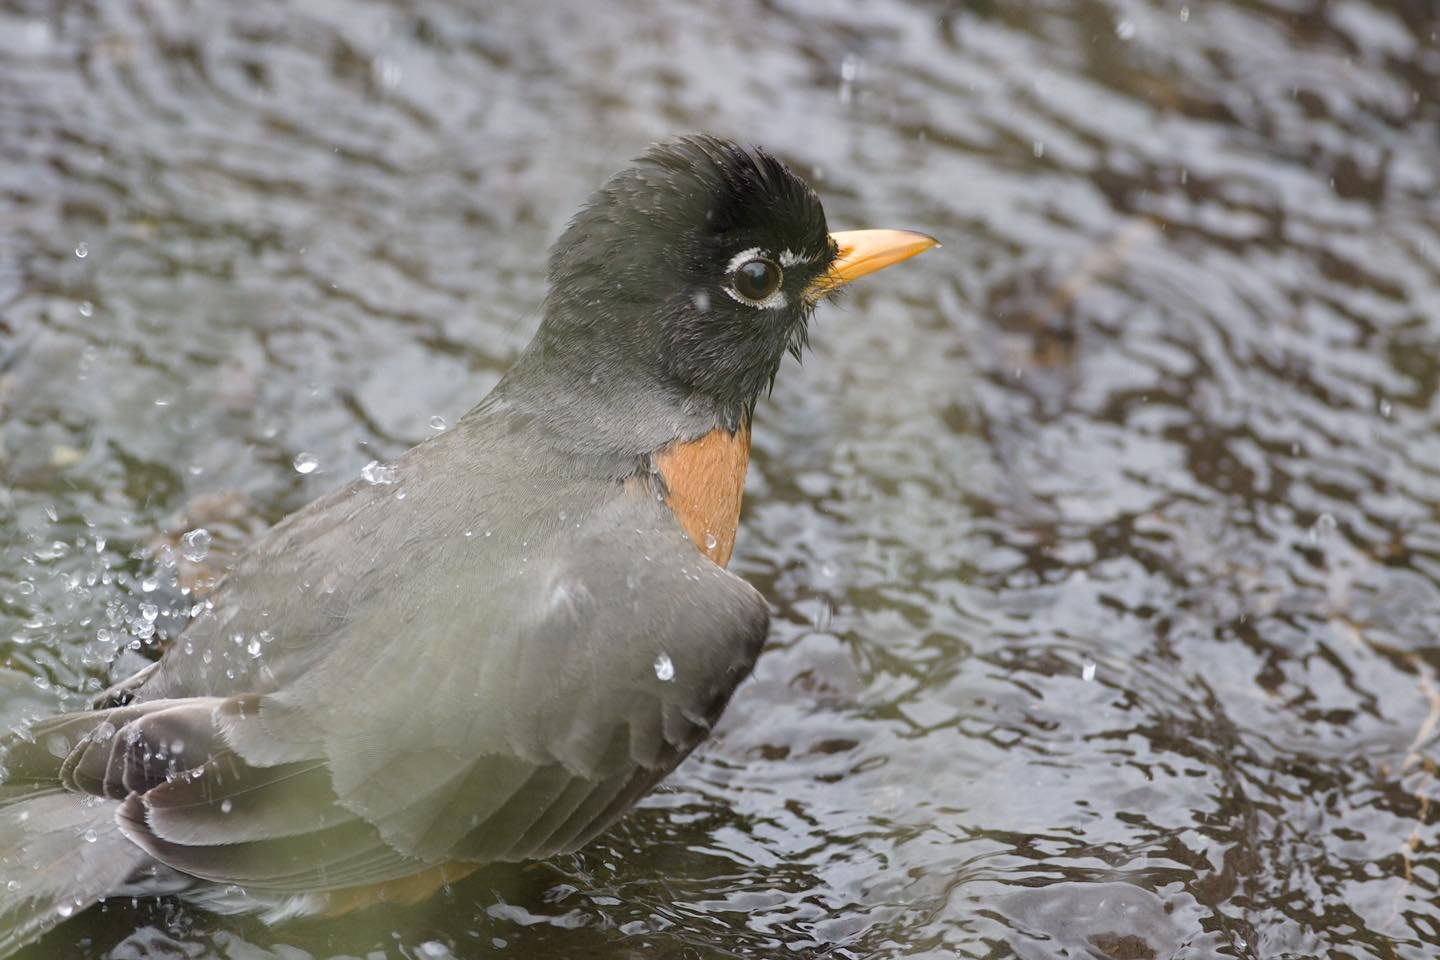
{"x":865,"y":251}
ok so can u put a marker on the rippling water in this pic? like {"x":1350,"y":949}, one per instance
{"x":1104,"y":543}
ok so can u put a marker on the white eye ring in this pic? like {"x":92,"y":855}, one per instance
{"x":775,"y":301}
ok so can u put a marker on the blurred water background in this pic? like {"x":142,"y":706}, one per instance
{"x":1104,"y":543}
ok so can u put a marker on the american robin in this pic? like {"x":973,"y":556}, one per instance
{"x":489,"y":649}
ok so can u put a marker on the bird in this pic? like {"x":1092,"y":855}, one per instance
{"x":489,"y":650}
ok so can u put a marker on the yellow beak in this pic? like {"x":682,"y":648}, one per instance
{"x":865,"y":251}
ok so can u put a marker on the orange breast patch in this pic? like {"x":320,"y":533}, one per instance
{"x":705,"y":479}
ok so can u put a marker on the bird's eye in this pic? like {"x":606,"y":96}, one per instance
{"x":757,"y":279}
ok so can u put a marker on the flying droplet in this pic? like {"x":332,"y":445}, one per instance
{"x":87,"y":309}
{"x":149,"y":584}
{"x":1184,"y":14}
{"x":91,"y":836}
{"x":664,"y":668}
{"x":306,"y":462}
{"x":82,"y":250}
{"x":437,"y":423}
{"x":1322,"y":527}
{"x":1125,"y":30}
{"x":226,"y":805}
{"x":195,"y":545}
{"x":149,"y":611}
{"x":1087,"y":672}
{"x":1385,"y":408}
{"x":710,"y":542}
{"x":387,"y":72}
{"x":376,"y":472}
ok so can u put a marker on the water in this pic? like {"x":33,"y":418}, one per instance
{"x":1089,"y":675}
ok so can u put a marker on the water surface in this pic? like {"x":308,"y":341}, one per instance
{"x":1103,"y":543}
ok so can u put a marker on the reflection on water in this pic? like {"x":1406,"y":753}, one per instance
{"x":1104,"y":542}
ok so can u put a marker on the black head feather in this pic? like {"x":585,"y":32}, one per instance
{"x":643,"y":283}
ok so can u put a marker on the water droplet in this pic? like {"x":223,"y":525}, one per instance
{"x":82,"y":250}
{"x":25,"y":587}
{"x":65,"y":909}
{"x":377,"y":473}
{"x":1038,"y":148}
{"x":305,"y":462}
{"x":710,"y":542}
{"x":433,"y":950}
{"x":469,"y":534}
{"x":437,"y":423}
{"x":91,"y":836}
{"x":664,"y":668}
{"x":387,"y":72}
{"x":149,"y":584}
{"x":1385,"y":408}
{"x":824,"y":612}
{"x":254,"y":648}
{"x":12,"y":885}
{"x":1087,"y":672}
{"x":1323,"y":526}
{"x":1125,"y":30}
{"x":1184,"y":14}
{"x":149,"y":611}
{"x":195,"y":545}
{"x":87,"y":309}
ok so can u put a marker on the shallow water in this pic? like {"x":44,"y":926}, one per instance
{"x":1103,"y":543}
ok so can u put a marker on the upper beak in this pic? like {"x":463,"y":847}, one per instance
{"x":865,"y":251}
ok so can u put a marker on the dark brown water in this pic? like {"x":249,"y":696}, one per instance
{"x":1104,"y":543}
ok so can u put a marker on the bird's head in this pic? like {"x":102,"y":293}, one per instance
{"x":698,"y":268}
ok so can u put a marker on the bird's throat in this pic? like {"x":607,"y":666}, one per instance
{"x":704,"y":479}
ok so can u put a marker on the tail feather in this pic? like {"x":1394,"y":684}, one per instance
{"x":59,"y":853}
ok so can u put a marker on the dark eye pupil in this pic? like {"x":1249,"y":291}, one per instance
{"x":757,"y":279}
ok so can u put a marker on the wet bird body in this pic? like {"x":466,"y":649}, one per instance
{"x":493,"y":655}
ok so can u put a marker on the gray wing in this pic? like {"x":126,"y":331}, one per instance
{"x":481,"y":705}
